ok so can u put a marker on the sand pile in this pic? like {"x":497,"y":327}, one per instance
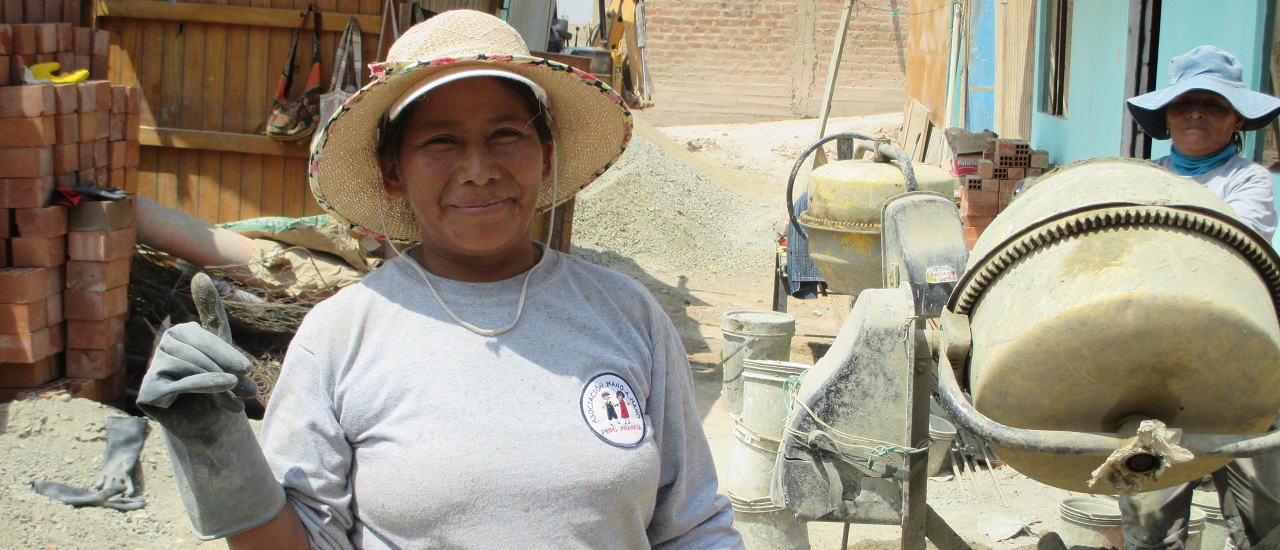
{"x":655,"y":210}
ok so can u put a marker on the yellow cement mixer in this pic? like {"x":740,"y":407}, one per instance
{"x":842,"y":222}
{"x":1114,"y":330}
{"x":1114,"y":292}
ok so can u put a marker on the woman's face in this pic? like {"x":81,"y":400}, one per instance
{"x":470,"y":163}
{"x":1201,"y":123}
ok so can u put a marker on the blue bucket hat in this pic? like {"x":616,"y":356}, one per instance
{"x":1204,"y":68}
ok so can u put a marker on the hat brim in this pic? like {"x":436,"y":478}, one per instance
{"x":1148,"y":109}
{"x":591,"y":127}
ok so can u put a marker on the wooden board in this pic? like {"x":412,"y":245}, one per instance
{"x":928,"y":49}
{"x":915,"y":130}
{"x":1015,"y":67}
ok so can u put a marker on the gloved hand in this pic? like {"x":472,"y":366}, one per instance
{"x":125,"y":435}
{"x":191,"y":389}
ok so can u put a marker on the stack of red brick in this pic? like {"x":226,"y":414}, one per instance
{"x":988,"y":187}
{"x":73,"y":264}
{"x":73,"y":48}
{"x":57,"y":262}
{"x":70,"y":134}
{"x":41,"y":11}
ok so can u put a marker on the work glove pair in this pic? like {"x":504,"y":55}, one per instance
{"x":114,"y":486}
{"x":193,"y":388}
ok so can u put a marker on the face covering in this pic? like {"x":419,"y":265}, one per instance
{"x":1194,"y":166}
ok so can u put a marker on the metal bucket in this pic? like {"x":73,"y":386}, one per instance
{"x":1091,"y":522}
{"x":764,"y":394}
{"x":751,"y":334}
{"x":941,"y":432}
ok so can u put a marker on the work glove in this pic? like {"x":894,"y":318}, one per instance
{"x":193,"y":389}
{"x":114,"y":487}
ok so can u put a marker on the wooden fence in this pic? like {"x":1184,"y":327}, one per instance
{"x":208,"y":71}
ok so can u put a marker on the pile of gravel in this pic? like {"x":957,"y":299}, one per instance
{"x":654,"y":210}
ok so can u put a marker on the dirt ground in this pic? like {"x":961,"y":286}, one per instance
{"x":697,"y":270}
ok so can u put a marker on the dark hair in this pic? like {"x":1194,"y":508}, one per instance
{"x":391,"y":133}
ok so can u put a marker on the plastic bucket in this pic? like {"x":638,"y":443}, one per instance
{"x":941,"y":432}
{"x":1092,"y":522}
{"x":1214,"y":534}
{"x":764,"y":394}
{"x":766,"y":526}
{"x":751,"y":462}
{"x":1195,"y":529}
{"x":751,"y":334}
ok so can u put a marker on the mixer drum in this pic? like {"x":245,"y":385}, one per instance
{"x":843,"y":219}
{"x":1114,"y":289}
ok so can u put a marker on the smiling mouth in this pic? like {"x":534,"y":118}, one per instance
{"x":482,"y":205}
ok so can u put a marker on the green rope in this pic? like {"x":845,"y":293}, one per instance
{"x":883,"y":450}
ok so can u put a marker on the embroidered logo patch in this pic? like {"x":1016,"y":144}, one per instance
{"x":612,"y":410}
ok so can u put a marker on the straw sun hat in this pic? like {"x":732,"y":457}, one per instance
{"x":590,"y":123}
{"x":1204,"y":68}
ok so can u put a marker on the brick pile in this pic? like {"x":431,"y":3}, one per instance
{"x":64,"y":271}
{"x":989,"y":179}
{"x":73,"y":48}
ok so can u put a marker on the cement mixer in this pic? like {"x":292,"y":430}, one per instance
{"x":842,"y":223}
{"x":1115,"y":330}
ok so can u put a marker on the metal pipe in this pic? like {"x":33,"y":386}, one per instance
{"x":903,"y":161}
{"x":1081,"y":443}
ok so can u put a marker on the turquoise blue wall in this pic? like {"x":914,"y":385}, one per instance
{"x":1237,"y":26}
{"x":980,"y":103}
{"x":1095,"y":87}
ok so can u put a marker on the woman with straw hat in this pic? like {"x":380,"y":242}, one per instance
{"x":459,"y":395}
{"x":1203,"y":111}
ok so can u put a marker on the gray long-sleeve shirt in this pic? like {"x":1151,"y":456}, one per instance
{"x":393,"y":427}
{"x":1246,"y":186}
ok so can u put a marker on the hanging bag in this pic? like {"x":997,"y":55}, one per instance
{"x":349,"y":48}
{"x":296,"y":120}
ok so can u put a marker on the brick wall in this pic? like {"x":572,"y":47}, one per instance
{"x":771,"y":56}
